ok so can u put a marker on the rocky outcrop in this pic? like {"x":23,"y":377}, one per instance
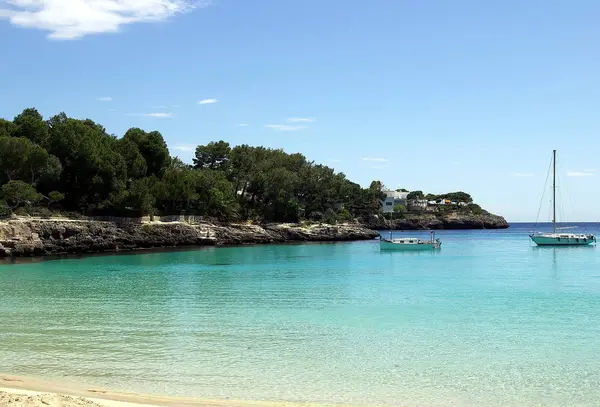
{"x":453,"y":220}
{"x":30,"y":237}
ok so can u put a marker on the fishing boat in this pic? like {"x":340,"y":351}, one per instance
{"x":409,"y":243}
{"x":559,"y":236}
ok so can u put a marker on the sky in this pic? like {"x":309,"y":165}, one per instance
{"x":438,"y":96}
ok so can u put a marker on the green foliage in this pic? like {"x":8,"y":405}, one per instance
{"x":30,"y":125}
{"x":55,"y":197}
{"x":475,"y":209}
{"x":153,"y":149}
{"x":20,"y":159}
{"x":17,"y":193}
{"x":415,"y":195}
{"x":213,"y":156}
{"x":399,"y":211}
{"x":135,"y":175}
{"x":401,"y":190}
{"x":451,"y":196}
{"x":7,"y":128}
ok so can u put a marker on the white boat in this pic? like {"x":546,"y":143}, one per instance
{"x":556,"y":238}
{"x":409,"y":243}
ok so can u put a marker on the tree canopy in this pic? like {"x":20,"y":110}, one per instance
{"x":75,"y":165}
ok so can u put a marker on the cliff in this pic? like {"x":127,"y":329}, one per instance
{"x":449,"y":221}
{"x":26,"y":237}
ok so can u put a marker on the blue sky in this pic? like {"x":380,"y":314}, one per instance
{"x":440,"y":95}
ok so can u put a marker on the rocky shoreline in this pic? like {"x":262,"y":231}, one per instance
{"x":450,"y":221}
{"x":38,"y":237}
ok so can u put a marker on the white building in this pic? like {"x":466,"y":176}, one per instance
{"x":393,"y":198}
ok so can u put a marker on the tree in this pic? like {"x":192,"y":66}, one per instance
{"x":7,"y":128}
{"x":17,"y":193}
{"x":415,"y":195}
{"x":399,"y":211}
{"x":20,"y":159}
{"x":31,"y":125}
{"x":139,"y":197}
{"x":55,"y":197}
{"x":153,"y":148}
{"x":94,"y":173}
{"x":135,"y":161}
{"x":213,"y":156}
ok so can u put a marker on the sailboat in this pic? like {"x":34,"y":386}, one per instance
{"x":408,"y":243}
{"x":558,"y":237}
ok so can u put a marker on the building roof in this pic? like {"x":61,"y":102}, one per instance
{"x":396,"y":194}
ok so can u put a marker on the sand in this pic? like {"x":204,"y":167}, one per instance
{"x":19,"y":391}
{"x":25,"y":398}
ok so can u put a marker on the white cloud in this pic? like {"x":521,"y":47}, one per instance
{"x":159,"y":107}
{"x":579,"y":174}
{"x":284,"y":127}
{"x":524,"y":174}
{"x":105,"y":99}
{"x":207,"y":101}
{"x":176,"y":106}
{"x":184,"y":147}
{"x":157,"y":115}
{"x":455,"y":163}
{"x":301,"y":120}
{"x":374,"y":159}
{"x":242,"y":125}
{"x":73,"y":19}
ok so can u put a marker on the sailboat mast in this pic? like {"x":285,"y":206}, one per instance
{"x":554,"y":191}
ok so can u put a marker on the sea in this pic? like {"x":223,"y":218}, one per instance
{"x":488,"y":320}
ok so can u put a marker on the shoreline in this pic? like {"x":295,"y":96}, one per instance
{"x":24,"y":385}
{"x":34,"y":237}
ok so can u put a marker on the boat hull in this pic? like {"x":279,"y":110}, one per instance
{"x":389,"y":246}
{"x":549,"y":240}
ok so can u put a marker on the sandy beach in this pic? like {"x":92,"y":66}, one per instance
{"x":19,"y":391}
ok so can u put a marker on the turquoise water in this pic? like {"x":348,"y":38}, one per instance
{"x":487,"y":321}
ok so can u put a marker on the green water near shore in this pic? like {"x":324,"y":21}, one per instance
{"x":487,"y":321}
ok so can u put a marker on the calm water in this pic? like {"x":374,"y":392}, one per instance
{"x":487,"y":321}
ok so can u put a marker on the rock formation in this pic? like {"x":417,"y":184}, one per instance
{"x":30,"y":237}
{"x":452,"y":220}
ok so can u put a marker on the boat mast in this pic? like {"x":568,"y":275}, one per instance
{"x":554,"y":191}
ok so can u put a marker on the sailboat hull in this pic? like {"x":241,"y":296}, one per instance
{"x":552,"y":239}
{"x":387,"y":246}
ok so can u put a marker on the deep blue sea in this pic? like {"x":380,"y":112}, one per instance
{"x":489,"y":320}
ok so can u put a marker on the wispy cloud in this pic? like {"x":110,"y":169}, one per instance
{"x":160,"y":107}
{"x":207,"y":101}
{"x":69,"y":20}
{"x":176,"y":106}
{"x":523,"y":174}
{"x":301,"y":120}
{"x":284,"y":127}
{"x":377,"y":159}
{"x":105,"y":99}
{"x":455,"y":163}
{"x":187,"y":148}
{"x":242,"y":125}
{"x":579,"y":174}
{"x":159,"y":115}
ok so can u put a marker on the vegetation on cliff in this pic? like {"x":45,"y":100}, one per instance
{"x":71,"y":165}
{"x":74,"y":165}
